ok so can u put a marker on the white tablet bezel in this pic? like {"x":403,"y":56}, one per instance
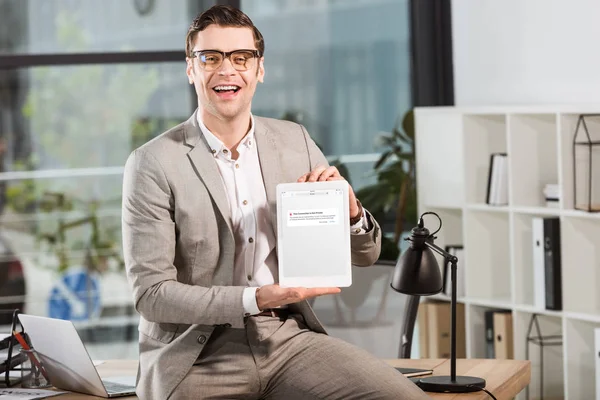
{"x":344,"y":280}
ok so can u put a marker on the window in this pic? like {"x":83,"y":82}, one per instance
{"x":341,"y":68}
{"x":82,"y":83}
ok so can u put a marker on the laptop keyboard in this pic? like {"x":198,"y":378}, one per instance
{"x":113,"y":387}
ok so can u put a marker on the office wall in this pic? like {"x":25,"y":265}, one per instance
{"x":526,"y":51}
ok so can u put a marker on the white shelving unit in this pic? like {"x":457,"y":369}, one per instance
{"x":453,"y":146}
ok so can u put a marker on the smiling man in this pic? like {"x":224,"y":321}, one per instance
{"x":199,"y":239}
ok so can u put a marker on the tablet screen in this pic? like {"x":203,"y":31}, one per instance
{"x":314,"y":236}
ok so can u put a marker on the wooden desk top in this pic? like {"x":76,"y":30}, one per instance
{"x":504,"y":378}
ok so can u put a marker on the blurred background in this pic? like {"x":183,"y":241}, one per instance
{"x":83,"y":83}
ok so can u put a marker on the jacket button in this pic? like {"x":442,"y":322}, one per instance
{"x":201,"y":339}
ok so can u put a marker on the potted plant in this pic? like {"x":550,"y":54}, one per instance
{"x":392,"y":199}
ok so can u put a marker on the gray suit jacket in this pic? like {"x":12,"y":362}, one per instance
{"x":179,"y":246}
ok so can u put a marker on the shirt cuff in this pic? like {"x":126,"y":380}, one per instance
{"x":249,"y":301}
{"x":361,"y":226}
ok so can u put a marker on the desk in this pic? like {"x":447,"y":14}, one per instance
{"x":504,"y":378}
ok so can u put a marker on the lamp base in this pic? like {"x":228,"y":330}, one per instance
{"x":444,"y":384}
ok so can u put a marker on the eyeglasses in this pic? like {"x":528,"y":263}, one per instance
{"x":241,"y":60}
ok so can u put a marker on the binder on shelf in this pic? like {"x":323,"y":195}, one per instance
{"x":491,"y":319}
{"x":547,"y":285}
{"x":489,"y":333}
{"x":497,"y":187}
{"x":503,"y":335}
{"x":539,"y":279}
{"x":552,"y":266}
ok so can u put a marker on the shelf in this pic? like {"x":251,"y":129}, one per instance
{"x":444,"y":297}
{"x":532,"y":156}
{"x":487,"y":207}
{"x":487,"y":266}
{"x":580,"y":243}
{"x":498,"y":240}
{"x":553,"y":355}
{"x":475,"y":330}
{"x":504,"y":304}
{"x":539,"y":211}
{"x":580,"y":364}
{"x":534,"y":310}
{"x":522,"y":257}
{"x":448,"y":208}
{"x":483,"y":135}
{"x":580,"y":214}
{"x":568,"y":123}
{"x":583,"y":317}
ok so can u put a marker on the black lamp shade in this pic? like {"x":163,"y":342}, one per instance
{"x":417,"y":273}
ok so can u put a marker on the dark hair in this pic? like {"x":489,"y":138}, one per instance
{"x":223,"y":16}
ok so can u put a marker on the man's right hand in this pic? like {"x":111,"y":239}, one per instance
{"x":272,"y":296}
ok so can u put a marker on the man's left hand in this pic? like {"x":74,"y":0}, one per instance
{"x":322,"y":174}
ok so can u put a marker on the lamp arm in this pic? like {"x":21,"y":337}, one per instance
{"x":453,"y":261}
{"x":447,"y":256}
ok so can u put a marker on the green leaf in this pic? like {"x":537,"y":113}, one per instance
{"x":382,"y":159}
{"x":408,"y":124}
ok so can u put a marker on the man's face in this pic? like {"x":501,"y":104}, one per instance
{"x":212,"y":86}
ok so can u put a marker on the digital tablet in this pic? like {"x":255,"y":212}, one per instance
{"x":313,"y":235}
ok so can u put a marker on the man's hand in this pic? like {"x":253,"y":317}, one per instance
{"x":322,"y":174}
{"x":271,"y":296}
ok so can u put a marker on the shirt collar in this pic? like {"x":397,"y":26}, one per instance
{"x":217,"y":146}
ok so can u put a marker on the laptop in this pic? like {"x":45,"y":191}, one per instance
{"x":413,"y":372}
{"x":66,"y":359}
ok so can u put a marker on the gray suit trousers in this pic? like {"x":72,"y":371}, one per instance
{"x":276,"y":358}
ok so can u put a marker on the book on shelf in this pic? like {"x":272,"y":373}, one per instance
{"x":497,"y":186}
{"x":496,"y":324}
{"x":459,"y":252}
{"x":547,"y":284}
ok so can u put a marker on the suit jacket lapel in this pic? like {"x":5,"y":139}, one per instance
{"x":268,"y":155}
{"x":203,"y":161}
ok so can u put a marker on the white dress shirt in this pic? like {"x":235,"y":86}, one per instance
{"x":255,"y":241}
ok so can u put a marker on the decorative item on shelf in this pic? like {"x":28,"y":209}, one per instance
{"x":552,"y":195}
{"x":417,"y":273}
{"x":586,"y":158}
{"x":542,"y":341}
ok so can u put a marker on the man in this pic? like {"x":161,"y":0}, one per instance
{"x":199,"y":241}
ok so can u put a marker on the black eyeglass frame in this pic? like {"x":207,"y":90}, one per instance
{"x":225,"y":54}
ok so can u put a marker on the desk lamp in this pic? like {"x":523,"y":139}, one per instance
{"x":417,"y":273}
